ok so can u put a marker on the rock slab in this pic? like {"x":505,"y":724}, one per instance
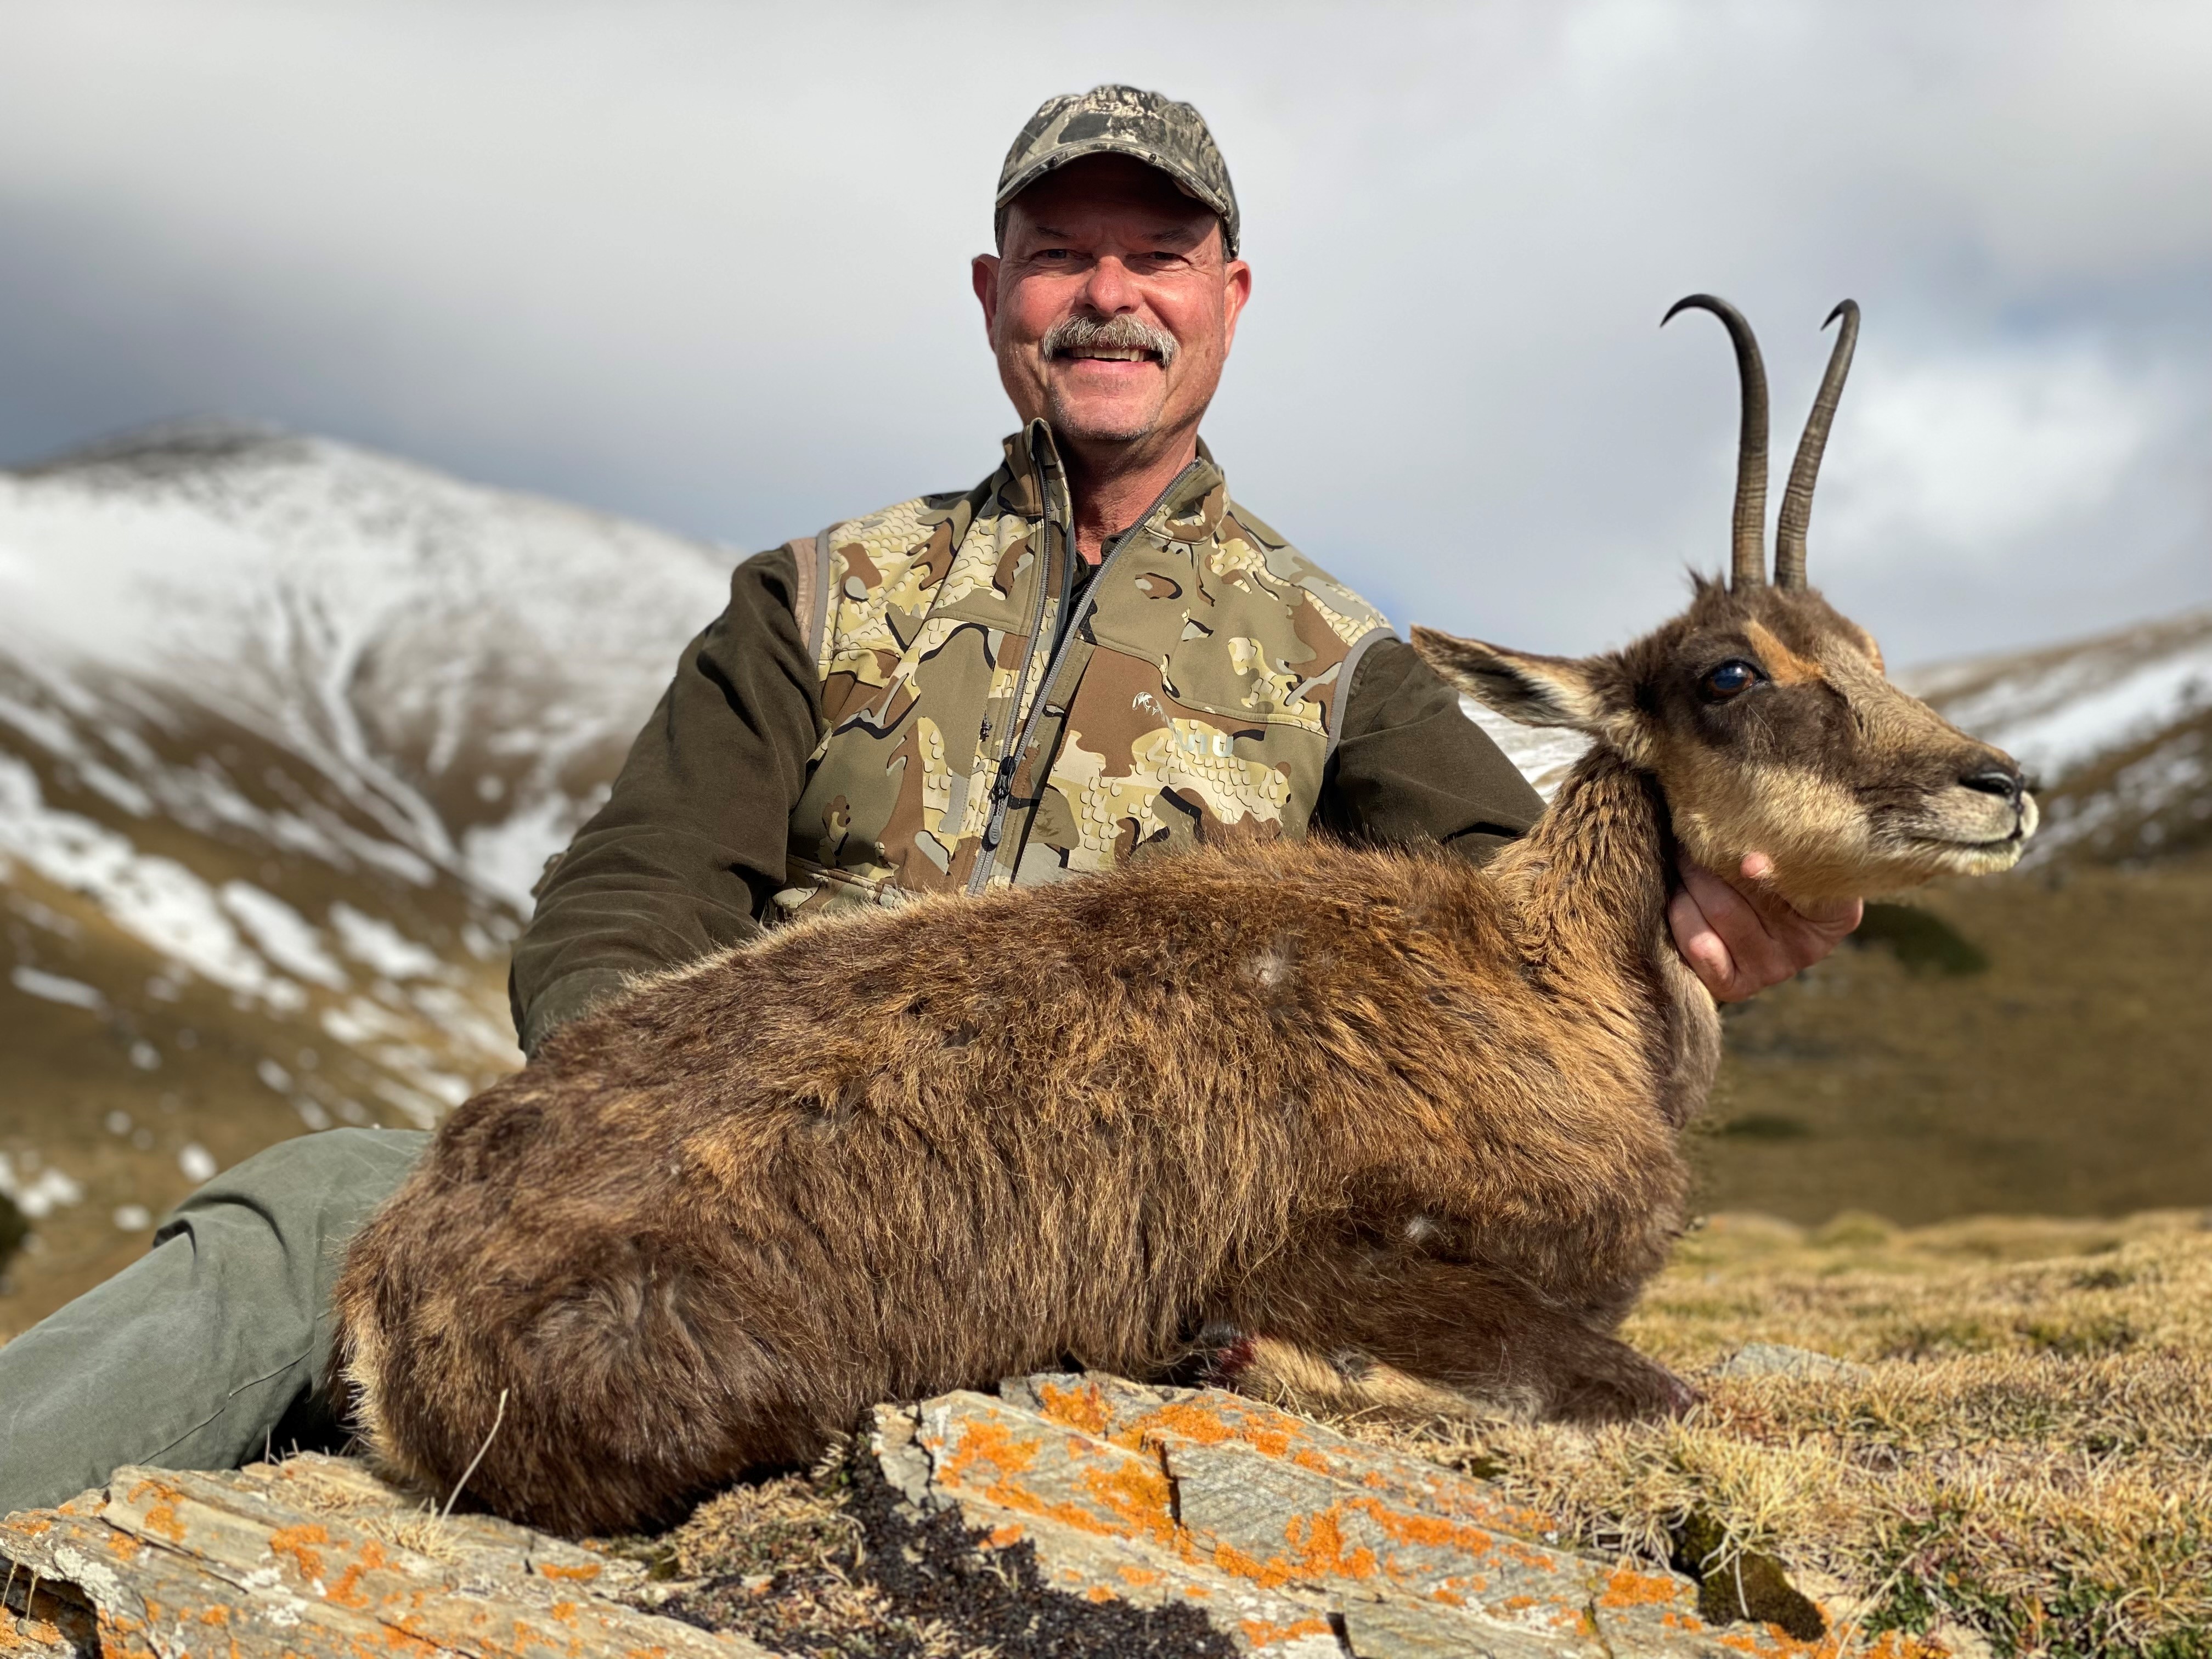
{"x":1293,"y":1540}
{"x":1290,"y":1541}
{"x":314,"y":1557}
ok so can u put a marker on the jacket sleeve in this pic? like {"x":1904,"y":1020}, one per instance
{"x":691,"y":844}
{"x":1410,"y":766}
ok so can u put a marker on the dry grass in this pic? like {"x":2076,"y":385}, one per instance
{"x":2015,"y":1461}
{"x":2023,"y":1455}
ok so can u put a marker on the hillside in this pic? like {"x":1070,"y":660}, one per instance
{"x":288,"y":729}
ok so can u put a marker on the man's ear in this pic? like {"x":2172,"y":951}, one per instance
{"x":983,"y":276}
{"x":1520,"y":684}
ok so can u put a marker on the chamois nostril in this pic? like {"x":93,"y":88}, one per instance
{"x":1994,"y":781}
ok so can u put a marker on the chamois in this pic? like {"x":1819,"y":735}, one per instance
{"x":1329,"y":1115}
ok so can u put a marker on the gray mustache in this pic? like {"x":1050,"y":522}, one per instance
{"x":1071,"y":333}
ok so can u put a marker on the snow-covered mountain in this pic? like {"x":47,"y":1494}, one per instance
{"x":2117,"y":729}
{"x":288,"y":730}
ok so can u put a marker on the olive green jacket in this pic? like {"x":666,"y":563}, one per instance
{"x":931,"y":698}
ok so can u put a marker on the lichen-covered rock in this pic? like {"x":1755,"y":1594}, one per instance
{"x":1093,"y":1515}
{"x":312,"y":1556}
{"x":1293,"y":1540}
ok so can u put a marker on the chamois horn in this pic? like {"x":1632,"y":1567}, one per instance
{"x":1750,"y":559}
{"x":1797,"y":499}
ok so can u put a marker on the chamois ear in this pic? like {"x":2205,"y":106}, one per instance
{"x":1519,"y":684}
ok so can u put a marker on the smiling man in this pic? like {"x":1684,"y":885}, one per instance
{"x":1096,"y":654}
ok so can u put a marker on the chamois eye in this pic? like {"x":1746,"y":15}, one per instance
{"x":1731,"y":679}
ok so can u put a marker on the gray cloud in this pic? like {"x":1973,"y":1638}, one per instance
{"x":707,"y":263}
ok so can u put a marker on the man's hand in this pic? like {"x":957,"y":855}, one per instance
{"x":1739,"y":937}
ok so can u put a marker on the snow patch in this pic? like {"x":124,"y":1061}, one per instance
{"x":2054,"y":722}
{"x":54,"y":987}
{"x":37,"y":1196}
{"x":382,"y":947}
{"x":509,"y":857}
{"x":286,"y":938}
{"x":155,"y":898}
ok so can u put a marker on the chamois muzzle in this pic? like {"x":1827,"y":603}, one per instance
{"x":2005,"y":782}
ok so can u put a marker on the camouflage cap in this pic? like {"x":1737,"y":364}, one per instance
{"x":1116,"y":121}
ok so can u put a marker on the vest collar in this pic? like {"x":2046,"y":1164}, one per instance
{"x":1032,"y":453}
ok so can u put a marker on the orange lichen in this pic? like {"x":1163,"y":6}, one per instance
{"x":1082,"y":1407}
{"x":1318,"y":1548}
{"x":1265,"y":1632}
{"x":1184,"y":1420}
{"x":115,"y":1642}
{"x":1627,"y":1588}
{"x":160,"y":1516}
{"x":1777,"y":1643}
{"x":299,"y":1543}
{"x":1009,"y":1533}
{"x":991,"y":1445}
{"x":1136,"y":1493}
{"x":1227,"y":1558}
{"x":583,"y":1574}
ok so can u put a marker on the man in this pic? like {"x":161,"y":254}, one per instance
{"x":1095,"y":653}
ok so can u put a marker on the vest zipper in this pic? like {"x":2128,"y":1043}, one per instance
{"x":1002,"y":785}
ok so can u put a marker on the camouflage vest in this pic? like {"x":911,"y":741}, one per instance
{"x":1195,"y":696}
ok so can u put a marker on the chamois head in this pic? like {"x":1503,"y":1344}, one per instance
{"x":1764,"y":712}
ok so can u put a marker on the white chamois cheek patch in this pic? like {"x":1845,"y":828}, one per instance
{"x":1814,"y":829}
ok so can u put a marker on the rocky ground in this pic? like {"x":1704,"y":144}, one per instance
{"x":1986,"y":1435}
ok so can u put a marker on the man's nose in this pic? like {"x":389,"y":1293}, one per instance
{"x":1110,"y":289}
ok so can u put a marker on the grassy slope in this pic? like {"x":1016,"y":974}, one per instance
{"x":2023,"y":1455}
{"x":2071,"y":1076}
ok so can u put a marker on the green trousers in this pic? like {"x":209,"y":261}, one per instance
{"x":210,"y":1350}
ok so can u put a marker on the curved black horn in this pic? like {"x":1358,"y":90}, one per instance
{"x":1750,"y":556}
{"x":1797,"y":499}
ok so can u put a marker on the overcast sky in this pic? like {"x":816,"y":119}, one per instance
{"x":706,"y":264}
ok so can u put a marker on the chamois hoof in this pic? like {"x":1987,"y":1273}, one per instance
{"x":1631,"y":1388}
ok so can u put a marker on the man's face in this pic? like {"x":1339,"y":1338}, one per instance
{"x":1099,"y":242}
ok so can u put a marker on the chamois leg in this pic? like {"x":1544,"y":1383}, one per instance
{"x":1408,"y":1336}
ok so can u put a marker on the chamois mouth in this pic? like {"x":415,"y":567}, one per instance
{"x":1956,"y":844}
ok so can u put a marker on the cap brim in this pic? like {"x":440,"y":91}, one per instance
{"x":1061,"y":155}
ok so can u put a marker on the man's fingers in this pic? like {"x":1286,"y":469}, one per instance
{"x":1740,"y":936}
{"x":1742,"y":920}
{"x":1701,"y":947}
{"x":1802,"y":937}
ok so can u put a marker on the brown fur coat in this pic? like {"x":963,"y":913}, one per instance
{"x":1383,"y":1105}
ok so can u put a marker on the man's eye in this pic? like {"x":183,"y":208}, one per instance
{"x":1731,"y":679}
